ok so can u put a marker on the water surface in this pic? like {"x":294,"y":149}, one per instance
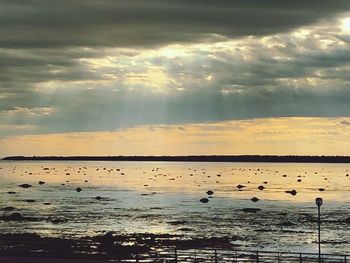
{"x":160,"y":197}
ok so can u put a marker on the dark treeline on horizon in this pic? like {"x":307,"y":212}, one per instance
{"x":192,"y":158}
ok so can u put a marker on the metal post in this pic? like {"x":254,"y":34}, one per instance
{"x":319,"y":234}
{"x":257,"y":256}
{"x":345,"y":261}
{"x":216,"y":256}
{"x":319,"y":202}
{"x":278,"y":257}
{"x":175,"y":255}
{"x":300,"y":258}
{"x":137,"y":258}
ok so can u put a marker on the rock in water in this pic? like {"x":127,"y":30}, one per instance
{"x":210,"y":192}
{"x":41,"y":182}
{"x":261,"y":187}
{"x":204,"y":200}
{"x":9,"y":208}
{"x":240,"y":186}
{"x":251,"y":210}
{"x":25,"y":185}
{"x":255,"y":199}
{"x":13,"y":217}
{"x":78,"y":189}
{"x":292,"y":192}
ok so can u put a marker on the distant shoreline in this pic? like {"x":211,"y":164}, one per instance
{"x":191,"y":158}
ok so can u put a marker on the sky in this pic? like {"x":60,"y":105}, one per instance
{"x":176,"y":77}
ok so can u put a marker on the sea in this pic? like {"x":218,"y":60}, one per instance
{"x":265,"y":206}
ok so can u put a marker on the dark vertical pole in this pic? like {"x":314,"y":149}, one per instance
{"x":175,"y":255}
{"x":216,"y":256}
{"x":319,"y":202}
{"x":257,"y":256}
{"x":300,"y":258}
{"x":319,"y":234}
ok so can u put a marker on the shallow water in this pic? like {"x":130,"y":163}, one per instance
{"x":152,"y":197}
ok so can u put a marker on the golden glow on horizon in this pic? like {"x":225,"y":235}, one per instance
{"x":280,"y":136}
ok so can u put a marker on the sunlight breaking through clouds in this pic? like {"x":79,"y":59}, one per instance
{"x":296,"y":70}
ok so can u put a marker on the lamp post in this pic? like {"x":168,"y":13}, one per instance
{"x":319,"y":202}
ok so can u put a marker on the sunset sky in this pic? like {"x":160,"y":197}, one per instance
{"x":151,"y":77}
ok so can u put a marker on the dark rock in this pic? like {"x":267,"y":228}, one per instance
{"x":287,"y":224}
{"x":11,"y":193}
{"x":47,"y":203}
{"x":292,"y":192}
{"x":29,"y":200}
{"x":17,"y":217}
{"x":185,"y":229}
{"x":240,"y":186}
{"x":41,"y":182}
{"x":25,"y":185}
{"x":261,"y":187}
{"x":255,"y":199}
{"x":204,"y":200}
{"x":13,"y":217}
{"x":210,"y":192}
{"x":251,"y":210}
{"x":177,"y":222}
{"x":58,"y":220}
{"x":321,"y":189}
{"x":78,"y":189}
{"x":9,"y":208}
{"x":299,"y":180}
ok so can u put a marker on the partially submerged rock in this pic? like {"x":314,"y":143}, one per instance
{"x":25,"y":185}
{"x":17,"y":217}
{"x":255,"y":199}
{"x":292,"y":192}
{"x":9,"y":208}
{"x":251,"y":210}
{"x":204,"y":200}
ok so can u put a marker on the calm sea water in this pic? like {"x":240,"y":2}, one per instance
{"x":160,"y":197}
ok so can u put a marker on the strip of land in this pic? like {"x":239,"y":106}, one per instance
{"x":192,"y":158}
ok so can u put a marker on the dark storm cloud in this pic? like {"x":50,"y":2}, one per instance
{"x":40,"y":23}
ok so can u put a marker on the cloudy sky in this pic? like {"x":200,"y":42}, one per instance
{"x":141,"y":77}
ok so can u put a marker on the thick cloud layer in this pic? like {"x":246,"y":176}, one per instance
{"x":40,"y":23}
{"x":105,"y":65}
